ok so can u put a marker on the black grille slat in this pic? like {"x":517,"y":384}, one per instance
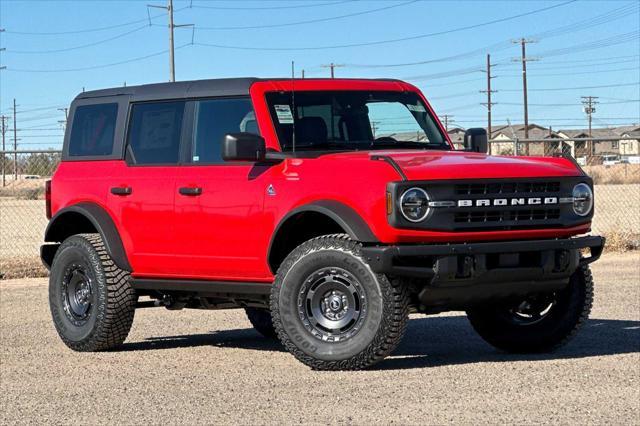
{"x":493,"y":216}
{"x":507,"y":188}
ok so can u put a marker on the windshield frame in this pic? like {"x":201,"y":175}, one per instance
{"x":259,"y":91}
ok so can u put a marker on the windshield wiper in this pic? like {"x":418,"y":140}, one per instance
{"x":406,"y":144}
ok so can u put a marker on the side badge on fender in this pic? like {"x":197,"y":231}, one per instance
{"x":271,"y":190}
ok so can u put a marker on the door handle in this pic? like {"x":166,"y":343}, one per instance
{"x":121,"y":190}
{"x":190,"y":191}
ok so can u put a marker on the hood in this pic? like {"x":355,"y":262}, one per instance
{"x":437,"y":165}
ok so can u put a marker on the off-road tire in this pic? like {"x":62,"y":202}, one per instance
{"x":112,"y":298}
{"x":260,"y":319}
{"x":383,"y":325}
{"x":566,"y":317}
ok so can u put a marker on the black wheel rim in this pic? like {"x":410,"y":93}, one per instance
{"x":332,"y":304}
{"x":533,"y":309}
{"x":77,"y":293}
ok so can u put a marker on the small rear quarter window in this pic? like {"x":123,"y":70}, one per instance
{"x":93,"y":130}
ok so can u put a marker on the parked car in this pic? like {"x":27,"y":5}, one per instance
{"x":298,"y":201}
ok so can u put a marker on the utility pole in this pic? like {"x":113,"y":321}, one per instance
{"x":523,"y":58}
{"x":303,"y":73}
{"x":447,"y":118}
{"x":4,"y":131}
{"x":489,"y":104}
{"x":15,"y":143}
{"x":589,"y":103}
{"x":172,"y":26}
{"x":332,"y":67}
{"x":63,"y":123}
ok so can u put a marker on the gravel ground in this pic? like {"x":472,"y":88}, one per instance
{"x":210,"y":367}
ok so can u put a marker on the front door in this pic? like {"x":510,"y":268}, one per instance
{"x":220,"y":225}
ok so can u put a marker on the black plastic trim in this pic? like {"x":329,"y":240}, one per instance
{"x":102,"y":222}
{"x":342,"y":214}
{"x":202,"y":286}
{"x":392,"y":163}
{"x":381,"y":258}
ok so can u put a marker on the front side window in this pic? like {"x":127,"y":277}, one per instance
{"x":353,"y":120}
{"x":93,"y":130}
{"x":154,"y":133}
{"x":215,"y":118}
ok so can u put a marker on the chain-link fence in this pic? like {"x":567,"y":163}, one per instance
{"x":22,"y":205}
{"x":22,"y":210}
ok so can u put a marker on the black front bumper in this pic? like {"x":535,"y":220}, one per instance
{"x":456,"y":276}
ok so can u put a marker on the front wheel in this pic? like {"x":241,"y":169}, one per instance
{"x":538,"y":323}
{"x":331,"y":311}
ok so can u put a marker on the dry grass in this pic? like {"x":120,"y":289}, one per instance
{"x":614,"y":175}
{"x":24,"y":189}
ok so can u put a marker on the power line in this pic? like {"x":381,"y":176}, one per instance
{"x":379,"y":42}
{"x":576,"y":88}
{"x":140,"y":58}
{"x":310,"y":21}
{"x":493,"y":47}
{"x":82,"y":46}
{"x":90,"y":30}
{"x":299,"y":6}
{"x":578,"y":73}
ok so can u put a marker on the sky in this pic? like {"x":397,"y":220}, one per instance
{"x":55,"y":49}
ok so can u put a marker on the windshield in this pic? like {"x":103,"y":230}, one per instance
{"x":353,"y":120}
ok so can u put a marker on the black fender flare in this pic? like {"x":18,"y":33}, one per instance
{"x":343,"y":215}
{"x":347,"y":218}
{"x":101,"y":221}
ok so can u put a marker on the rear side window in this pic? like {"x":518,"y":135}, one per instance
{"x":215,"y":118}
{"x":154,"y":133}
{"x":93,"y":130}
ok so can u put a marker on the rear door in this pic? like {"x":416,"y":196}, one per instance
{"x":144,"y":186}
{"x":220,"y":223}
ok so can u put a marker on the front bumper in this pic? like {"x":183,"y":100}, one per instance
{"x":457,"y":276}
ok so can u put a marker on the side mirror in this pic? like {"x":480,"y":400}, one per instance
{"x":475,"y":140}
{"x":243,"y":147}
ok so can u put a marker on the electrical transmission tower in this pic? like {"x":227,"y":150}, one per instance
{"x":489,"y":104}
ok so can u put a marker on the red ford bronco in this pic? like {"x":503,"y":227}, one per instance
{"x":328,"y":209}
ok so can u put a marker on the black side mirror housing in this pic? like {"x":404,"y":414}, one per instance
{"x":243,"y":147}
{"x":476,"y":140}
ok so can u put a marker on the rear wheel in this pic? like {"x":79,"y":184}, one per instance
{"x":538,"y":323}
{"x":260,"y":319}
{"x":91,"y":300}
{"x":331,"y":311}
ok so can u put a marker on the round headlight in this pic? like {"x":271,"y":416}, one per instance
{"x":582,"y":199}
{"x":414,"y":204}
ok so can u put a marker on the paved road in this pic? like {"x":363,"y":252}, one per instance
{"x":210,"y":367}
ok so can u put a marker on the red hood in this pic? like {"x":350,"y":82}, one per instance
{"x":430,"y":165}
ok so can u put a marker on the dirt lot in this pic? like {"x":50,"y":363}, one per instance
{"x":210,"y":367}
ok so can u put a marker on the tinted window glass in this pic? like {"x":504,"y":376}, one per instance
{"x":93,"y":130}
{"x":214,"y":119}
{"x":154,"y":133}
{"x":354,"y":120}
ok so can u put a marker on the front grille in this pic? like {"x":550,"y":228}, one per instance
{"x":506,"y":188}
{"x":506,"y":216}
{"x":494,"y":204}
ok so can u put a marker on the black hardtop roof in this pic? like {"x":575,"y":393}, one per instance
{"x":187,"y":89}
{"x":180,"y":89}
